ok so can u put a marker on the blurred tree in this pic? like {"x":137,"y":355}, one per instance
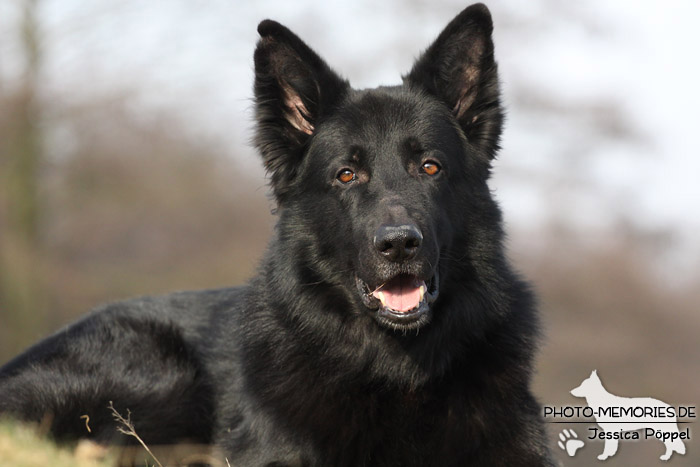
{"x":21,"y":291}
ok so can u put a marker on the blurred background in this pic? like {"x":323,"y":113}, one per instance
{"x":126,"y":168}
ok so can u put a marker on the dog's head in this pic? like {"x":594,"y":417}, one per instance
{"x":383,"y":191}
{"x":589,"y":386}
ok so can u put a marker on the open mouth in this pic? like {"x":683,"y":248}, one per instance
{"x":402,"y":302}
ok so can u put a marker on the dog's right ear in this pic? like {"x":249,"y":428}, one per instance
{"x":294,"y":90}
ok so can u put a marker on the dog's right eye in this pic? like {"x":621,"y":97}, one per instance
{"x":346,"y":176}
{"x":430,"y":167}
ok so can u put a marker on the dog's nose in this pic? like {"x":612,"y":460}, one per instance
{"x":398,"y":242}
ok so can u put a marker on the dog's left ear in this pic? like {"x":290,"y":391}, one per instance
{"x":460,"y":70}
{"x":294,"y":90}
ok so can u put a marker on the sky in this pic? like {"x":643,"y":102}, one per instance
{"x":602,"y":96}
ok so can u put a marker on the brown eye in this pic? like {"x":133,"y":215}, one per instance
{"x":430,"y":167}
{"x":346,"y":176}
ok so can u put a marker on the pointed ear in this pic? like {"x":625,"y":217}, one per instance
{"x":294,"y":90}
{"x":460,"y":70}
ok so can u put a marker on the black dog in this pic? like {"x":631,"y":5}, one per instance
{"x":385,"y":326}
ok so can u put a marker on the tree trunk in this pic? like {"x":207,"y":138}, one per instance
{"x":21,"y":291}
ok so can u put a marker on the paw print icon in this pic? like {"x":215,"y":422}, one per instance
{"x":569,"y":442}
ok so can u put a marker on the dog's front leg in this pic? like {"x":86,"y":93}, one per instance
{"x":609,"y":450}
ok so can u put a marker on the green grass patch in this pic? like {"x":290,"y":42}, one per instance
{"x":21,"y":445}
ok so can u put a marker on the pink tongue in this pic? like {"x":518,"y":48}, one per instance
{"x":401,"y":293}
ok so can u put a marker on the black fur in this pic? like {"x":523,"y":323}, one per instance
{"x":305,"y":366}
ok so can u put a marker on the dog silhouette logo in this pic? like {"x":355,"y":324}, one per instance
{"x":622,"y":418}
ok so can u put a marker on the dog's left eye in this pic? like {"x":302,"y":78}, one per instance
{"x":346,"y":176}
{"x":430,"y":167}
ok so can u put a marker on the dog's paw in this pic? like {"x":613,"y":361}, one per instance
{"x":569,"y":442}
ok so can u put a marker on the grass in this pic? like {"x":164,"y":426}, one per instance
{"x":24,"y":445}
{"x":21,"y":445}
{"x":126,"y":427}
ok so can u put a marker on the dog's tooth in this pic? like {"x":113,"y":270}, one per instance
{"x":380,"y":296}
{"x":422,"y":291}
